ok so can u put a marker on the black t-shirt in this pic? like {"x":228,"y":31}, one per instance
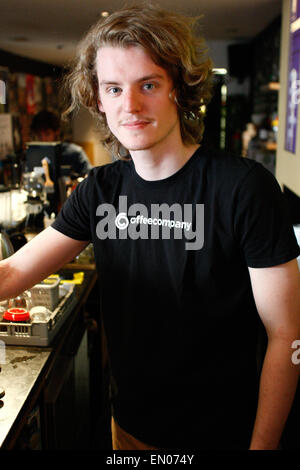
{"x":178,"y":309}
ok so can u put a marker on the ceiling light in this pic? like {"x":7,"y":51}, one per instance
{"x":104,"y":14}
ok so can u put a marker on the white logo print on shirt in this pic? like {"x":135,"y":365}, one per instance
{"x":134,"y":222}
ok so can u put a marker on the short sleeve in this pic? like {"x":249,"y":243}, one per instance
{"x":261,"y":221}
{"x":73,"y":219}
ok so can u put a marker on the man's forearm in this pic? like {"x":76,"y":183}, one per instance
{"x":43,"y":255}
{"x":278,"y":384}
{"x":7,"y":281}
{"x":13,"y":281}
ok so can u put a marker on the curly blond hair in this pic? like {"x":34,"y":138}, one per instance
{"x":170,"y":41}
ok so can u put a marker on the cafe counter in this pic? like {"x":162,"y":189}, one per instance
{"x":46,"y":390}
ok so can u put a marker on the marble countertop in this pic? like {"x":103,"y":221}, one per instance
{"x":20,"y":369}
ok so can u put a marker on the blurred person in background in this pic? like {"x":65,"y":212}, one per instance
{"x":45,"y":127}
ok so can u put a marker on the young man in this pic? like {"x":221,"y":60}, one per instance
{"x":45,"y":127}
{"x":192,"y":249}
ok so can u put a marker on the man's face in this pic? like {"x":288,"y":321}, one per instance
{"x":137,"y":97}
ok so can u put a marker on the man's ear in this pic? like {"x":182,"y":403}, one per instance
{"x":172,"y":96}
{"x":100,"y":107}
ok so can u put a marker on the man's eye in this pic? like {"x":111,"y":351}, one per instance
{"x":114,"y":90}
{"x":149,"y":86}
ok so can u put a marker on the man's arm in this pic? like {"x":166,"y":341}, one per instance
{"x":43,"y":255}
{"x":277,"y":295}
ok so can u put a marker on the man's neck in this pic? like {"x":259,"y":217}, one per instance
{"x":152,"y":165}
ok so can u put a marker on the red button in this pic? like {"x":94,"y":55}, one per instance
{"x":16,"y":314}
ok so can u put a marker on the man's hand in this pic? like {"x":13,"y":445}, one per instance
{"x":43,"y":255}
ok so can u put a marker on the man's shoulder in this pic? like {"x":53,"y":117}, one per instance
{"x":226,"y":166}
{"x":225,"y":160}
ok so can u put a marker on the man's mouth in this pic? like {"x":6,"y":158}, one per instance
{"x":137,"y":124}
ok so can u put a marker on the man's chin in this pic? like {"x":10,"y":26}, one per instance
{"x":137,"y":147}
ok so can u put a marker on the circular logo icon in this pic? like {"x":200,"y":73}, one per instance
{"x":122,"y":221}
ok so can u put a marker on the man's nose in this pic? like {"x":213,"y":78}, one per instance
{"x":132,"y":101}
